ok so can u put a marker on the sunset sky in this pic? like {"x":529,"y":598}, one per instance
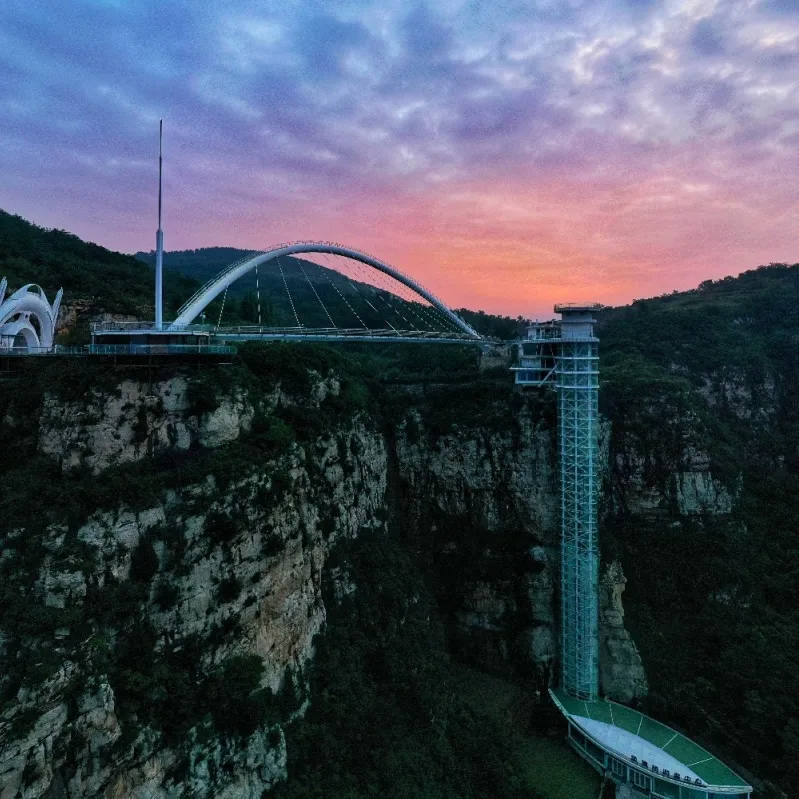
{"x":505,"y":154}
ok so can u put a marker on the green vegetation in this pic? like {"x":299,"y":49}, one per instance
{"x":494,"y":325}
{"x":394,"y":716}
{"x":105,"y":280}
{"x":712,"y":599}
{"x":715,"y":371}
{"x":143,"y":561}
{"x":557,"y":773}
{"x":238,"y":706}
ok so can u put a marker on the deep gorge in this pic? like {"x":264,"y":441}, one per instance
{"x":182,"y":548}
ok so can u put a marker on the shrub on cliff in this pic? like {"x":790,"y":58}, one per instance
{"x":143,"y":561}
{"x":238,"y":706}
{"x":386,"y":719}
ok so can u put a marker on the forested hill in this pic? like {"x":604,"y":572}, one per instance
{"x":702,"y":506}
{"x":95,"y":280}
{"x":735,"y":321}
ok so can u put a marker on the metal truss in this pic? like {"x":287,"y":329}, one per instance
{"x":577,"y":384}
{"x":564,"y":356}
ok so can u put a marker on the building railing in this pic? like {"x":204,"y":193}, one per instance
{"x":161,"y":349}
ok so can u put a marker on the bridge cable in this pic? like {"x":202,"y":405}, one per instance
{"x":397,"y":309}
{"x":361,"y":267}
{"x":421,"y":313}
{"x":221,"y":308}
{"x":346,"y":301}
{"x":316,"y":294}
{"x":412,"y":306}
{"x":258,"y":294}
{"x":366,"y":300}
{"x":434,"y":314}
{"x":446,"y":322}
{"x":291,"y":299}
{"x":379,"y":292}
{"x":428,"y":314}
{"x":354,"y":284}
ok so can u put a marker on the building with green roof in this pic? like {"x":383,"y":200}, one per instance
{"x":655,"y":760}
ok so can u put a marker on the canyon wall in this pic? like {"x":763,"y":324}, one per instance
{"x":191,"y":554}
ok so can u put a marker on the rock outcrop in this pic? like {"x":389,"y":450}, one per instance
{"x":621,"y":673}
{"x":485,"y":505}
{"x":136,"y":420}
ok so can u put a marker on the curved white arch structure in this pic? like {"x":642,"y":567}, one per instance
{"x":27,"y":320}
{"x":197,"y":302}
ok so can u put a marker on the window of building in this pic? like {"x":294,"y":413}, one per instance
{"x":577,"y":736}
{"x":696,"y":793}
{"x":617,"y":768}
{"x":595,"y":752}
{"x":665,"y":790}
{"x":639,"y":780}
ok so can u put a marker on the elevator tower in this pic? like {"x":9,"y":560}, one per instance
{"x":563,"y":355}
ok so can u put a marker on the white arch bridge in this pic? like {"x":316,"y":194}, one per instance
{"x":364,"y":291}
{"x":331,"y":293}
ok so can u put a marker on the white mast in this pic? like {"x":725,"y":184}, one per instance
{"x":159,"y":246}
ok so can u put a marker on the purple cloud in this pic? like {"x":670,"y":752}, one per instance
{"x":296,"y":119}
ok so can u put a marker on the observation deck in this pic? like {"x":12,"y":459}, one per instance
{"x":638,"y":751}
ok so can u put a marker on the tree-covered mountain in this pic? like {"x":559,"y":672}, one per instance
{"x":702,"y":506}
{"x":100,"y":280}
{"x":201,"y":264}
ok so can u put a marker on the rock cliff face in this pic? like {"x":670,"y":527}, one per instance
{"x":236,"y":568}
{"x":621,"y":673}
{"x":205,"y":570}
{"x":133,"y":421}
{"x":486,"y":505}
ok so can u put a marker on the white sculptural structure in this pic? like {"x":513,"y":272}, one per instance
{"x":27,"y":320}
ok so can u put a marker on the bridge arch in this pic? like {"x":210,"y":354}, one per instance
{"x":214,"y":287}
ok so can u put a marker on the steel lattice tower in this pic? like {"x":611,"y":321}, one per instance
{"x":565,"y":356}
{"x":577,"y":384}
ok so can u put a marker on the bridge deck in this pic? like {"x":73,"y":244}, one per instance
{"x":110,"y":333}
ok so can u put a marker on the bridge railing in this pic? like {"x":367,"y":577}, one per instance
{"x":121,"y":349}
{"x":162,"y":349}
{"x":121,"y":327}
{"x":337,"y":332}
{"x":262,"y":330}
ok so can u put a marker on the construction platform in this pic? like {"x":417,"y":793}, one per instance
{"x":638,"y":751}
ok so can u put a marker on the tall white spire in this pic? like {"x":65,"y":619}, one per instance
{"x":159,"y":246}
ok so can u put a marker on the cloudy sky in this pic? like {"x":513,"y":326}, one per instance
{"x":506,"y":154}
